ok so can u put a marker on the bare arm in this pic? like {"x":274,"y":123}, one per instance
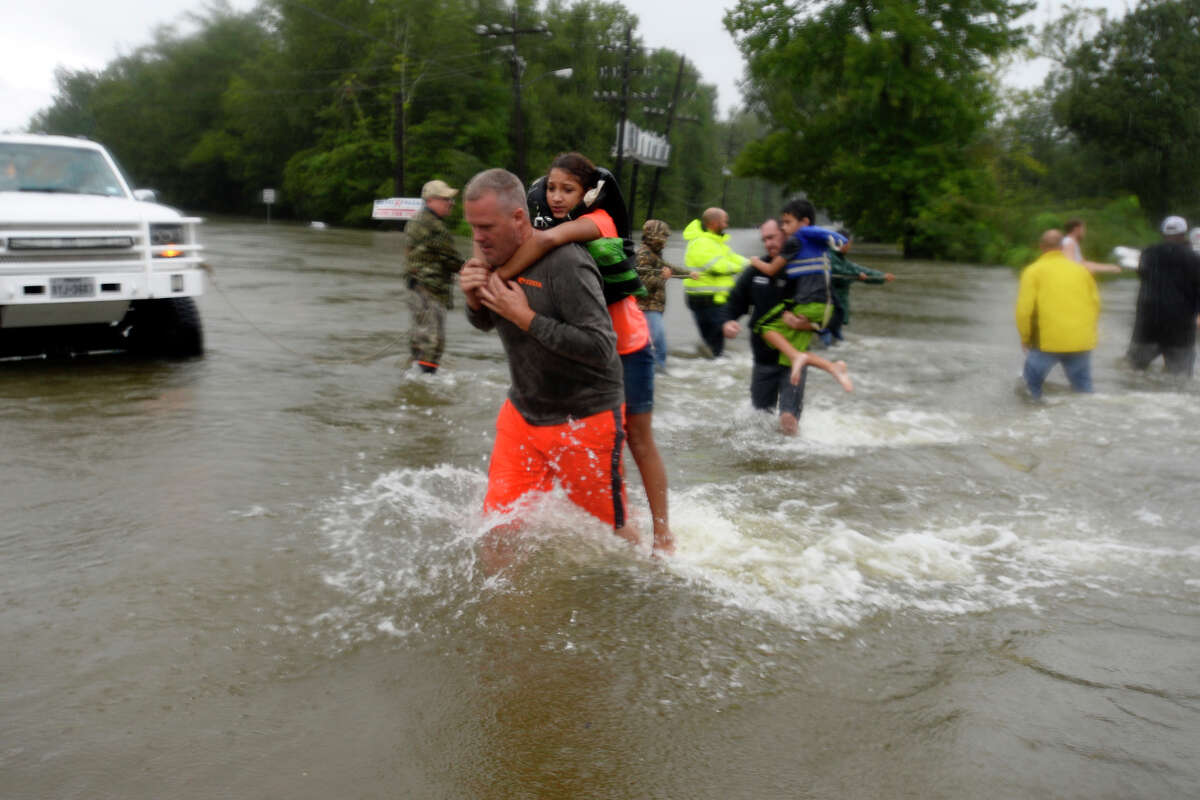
{"x":1071,"y":250}
{"x":542,"y":242}
{"x":780,"y":343}
{"x":768,"y":267}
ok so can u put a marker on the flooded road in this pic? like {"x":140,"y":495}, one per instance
{"x":254,"y":575}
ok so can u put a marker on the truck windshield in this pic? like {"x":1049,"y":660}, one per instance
{"x":44,"y":168}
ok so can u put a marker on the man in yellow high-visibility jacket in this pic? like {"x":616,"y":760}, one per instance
{"x":715,"y":268}
{"x":1058,"y":307}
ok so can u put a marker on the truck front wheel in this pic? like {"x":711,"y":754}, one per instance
{"x":168,"y":327}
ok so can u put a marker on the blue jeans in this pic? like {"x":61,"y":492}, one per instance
{"x":658,"y":336}
{"x":1077,"y":366}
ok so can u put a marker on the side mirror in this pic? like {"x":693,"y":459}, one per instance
{"x":145,"y":195}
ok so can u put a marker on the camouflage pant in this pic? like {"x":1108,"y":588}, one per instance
{"x":427,"y":336}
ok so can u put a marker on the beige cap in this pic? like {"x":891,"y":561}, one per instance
{"x":437,"y":189}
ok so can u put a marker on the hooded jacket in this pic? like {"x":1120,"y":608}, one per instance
{"x":710,"y":254}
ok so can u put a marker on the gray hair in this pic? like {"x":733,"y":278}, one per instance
{"x":509,"y":191}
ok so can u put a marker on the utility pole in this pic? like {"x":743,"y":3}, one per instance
{"x":624,"y":104}
{"x":633,"y":191}
{"x":666,"y":135}
{"x":725,"y":171}
{"x":399,"y":125}
{"x":495,"y":31}
{"x":625,"y":95}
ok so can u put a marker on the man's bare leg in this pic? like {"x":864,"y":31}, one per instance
{"x":498,"y":548}
{"x":788,"y":424}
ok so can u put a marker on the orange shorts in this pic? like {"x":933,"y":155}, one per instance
{"x":584,"y":455}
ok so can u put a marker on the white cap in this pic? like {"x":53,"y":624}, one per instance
{"x":1174,"y":226}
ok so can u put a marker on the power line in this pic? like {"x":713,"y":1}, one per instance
{"x":512,"y":32}
{"x":447,"y":73}
{"x":377,"y":67}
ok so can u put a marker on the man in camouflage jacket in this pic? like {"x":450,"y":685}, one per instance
{"x":654,"y":274}
{"x":432,"y":261}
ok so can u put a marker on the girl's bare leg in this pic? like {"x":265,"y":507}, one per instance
{"x":654,"y":477}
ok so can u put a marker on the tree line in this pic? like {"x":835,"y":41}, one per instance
{"x":339,"y":102}
{"x":887,"y":113}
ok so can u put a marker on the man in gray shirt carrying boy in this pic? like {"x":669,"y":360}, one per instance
{"x":563,"y":419}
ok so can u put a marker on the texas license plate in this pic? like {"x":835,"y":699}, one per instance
{"x":72,"y":287}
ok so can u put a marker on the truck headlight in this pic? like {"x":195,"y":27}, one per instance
{"x":166,"y":239}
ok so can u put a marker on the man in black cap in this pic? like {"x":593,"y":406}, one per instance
{"x":1168,"y":304}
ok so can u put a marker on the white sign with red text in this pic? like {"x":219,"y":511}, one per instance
{"x":396,"y":208}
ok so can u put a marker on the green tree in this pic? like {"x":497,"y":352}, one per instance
{"x":876,"y":108}
{"x":151,"y":108}
{"x":1131,"y":98}
{"x":339,"y":102}
{"x":72,"y":112}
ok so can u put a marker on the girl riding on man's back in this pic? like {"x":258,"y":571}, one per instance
{"x":579,"y":202}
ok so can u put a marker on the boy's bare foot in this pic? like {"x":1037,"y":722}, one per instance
{"x":788,"y":424}
{"x":842,"y":373}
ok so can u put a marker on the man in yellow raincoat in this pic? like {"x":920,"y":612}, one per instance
{"x":1058,"y":306}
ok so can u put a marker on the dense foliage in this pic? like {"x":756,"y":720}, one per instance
{"x":1109,"y":137}
{"x":877,"y":107}
{"x":1131,"y":98}
{"x":339,"y":102}
{"x":887,"y":113}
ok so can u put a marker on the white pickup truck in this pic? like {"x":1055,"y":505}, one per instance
{"x":86,"y":264}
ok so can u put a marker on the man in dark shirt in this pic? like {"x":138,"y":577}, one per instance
{"x":1168,"y":302}
{"x":770,"y":381}
{"x":563,"y":420}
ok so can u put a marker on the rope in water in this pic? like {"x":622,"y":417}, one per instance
{"x":388,"y":349}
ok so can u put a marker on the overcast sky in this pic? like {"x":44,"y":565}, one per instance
{"x":87,"y":34}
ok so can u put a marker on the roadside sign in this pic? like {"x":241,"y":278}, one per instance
{"x":268,"y":197}
{"x":396,"y":208}
{"x":643,"y":146}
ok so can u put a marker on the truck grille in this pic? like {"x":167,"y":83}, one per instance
{"x":58,"y":226}
{"x":73,"y":256}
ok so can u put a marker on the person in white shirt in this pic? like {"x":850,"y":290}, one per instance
{"x":1072,"y":247}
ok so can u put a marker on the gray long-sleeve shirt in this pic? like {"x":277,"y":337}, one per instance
{"x":566,"y":365}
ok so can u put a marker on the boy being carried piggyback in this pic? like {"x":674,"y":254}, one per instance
{"x":790,"y":326}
